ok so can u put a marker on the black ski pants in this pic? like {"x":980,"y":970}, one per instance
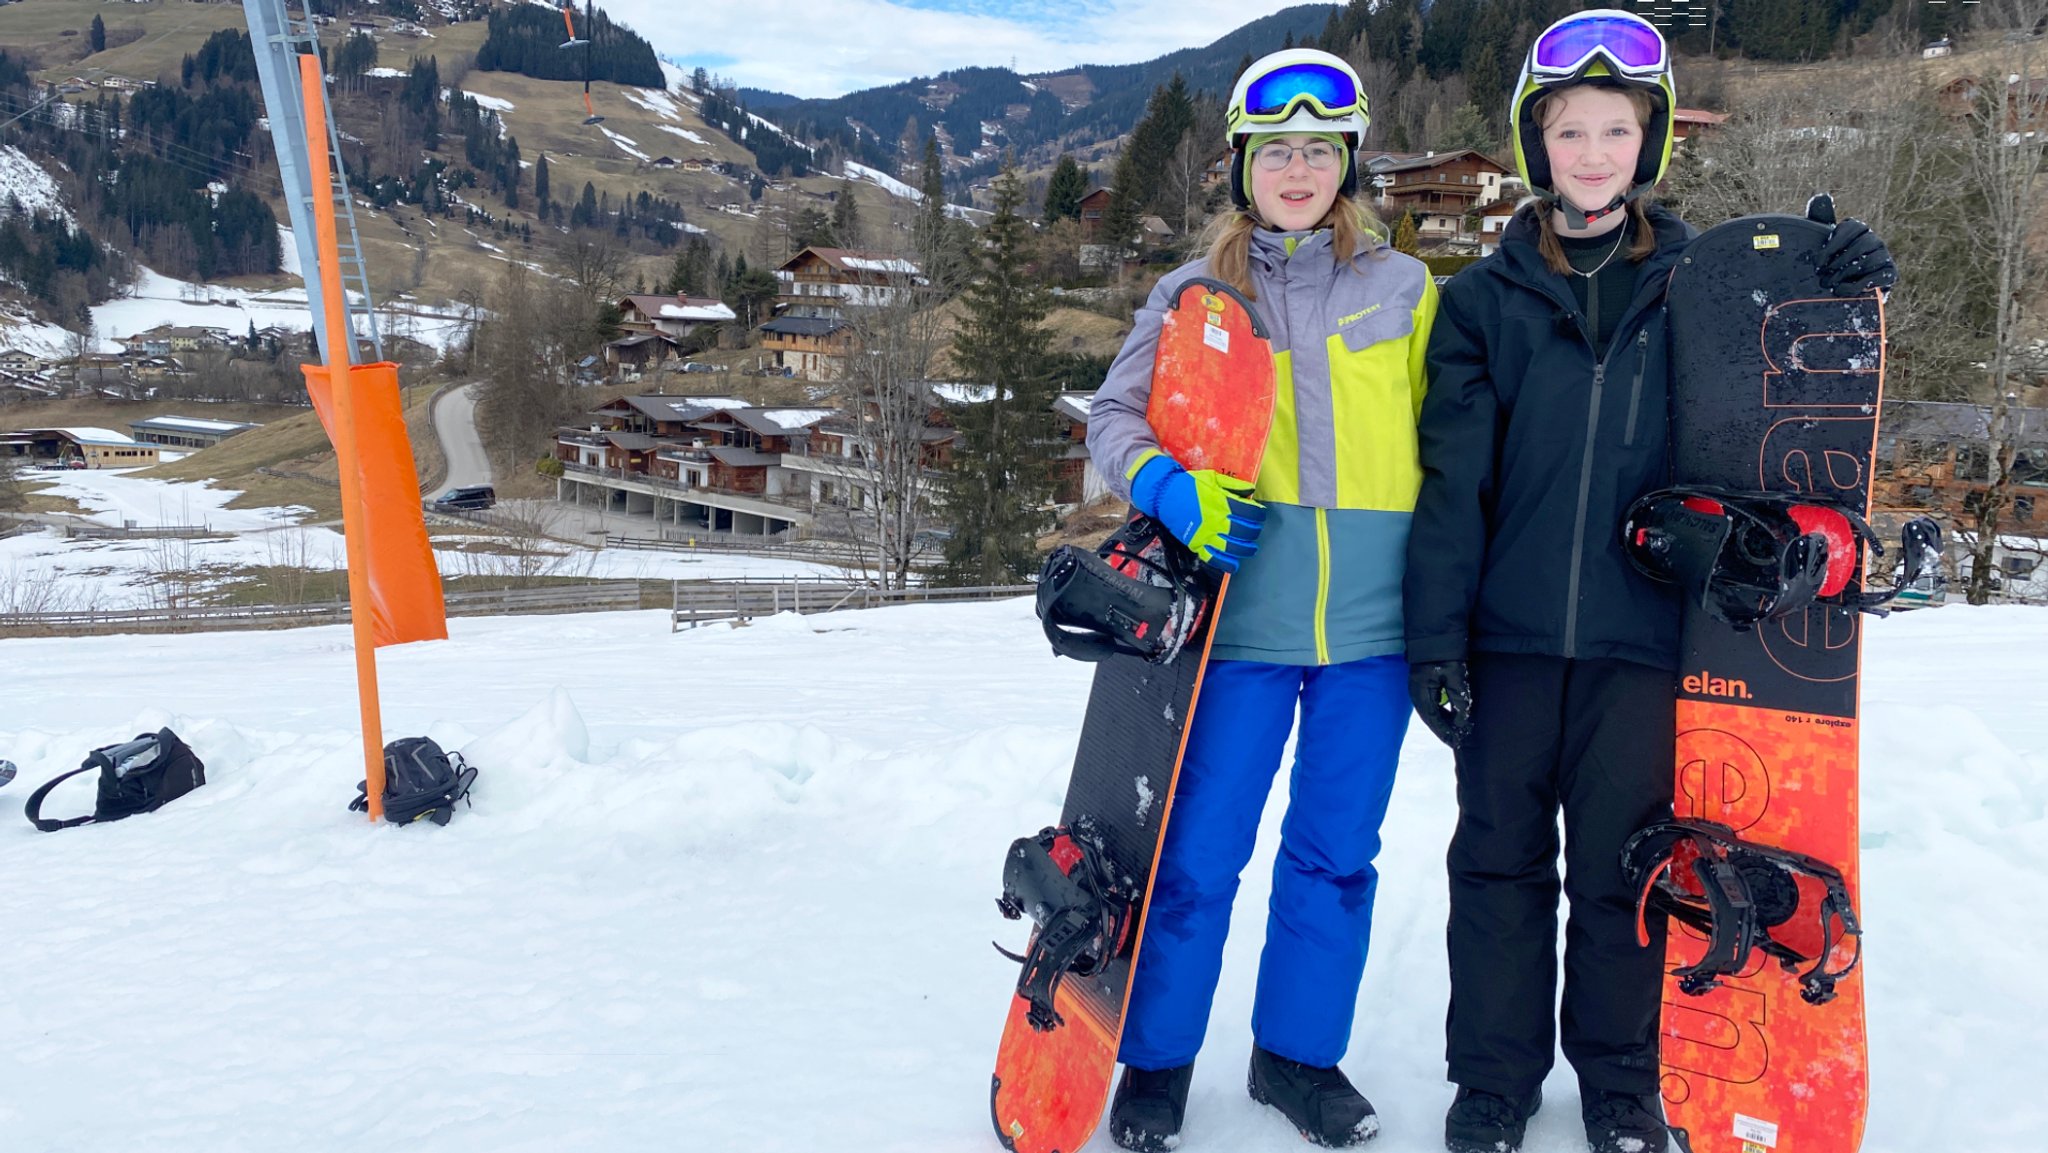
{"x":1594,"y":739}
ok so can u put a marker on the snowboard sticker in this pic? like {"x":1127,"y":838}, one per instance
{"x":1213,"y":390}
{"x":1777,"y":387}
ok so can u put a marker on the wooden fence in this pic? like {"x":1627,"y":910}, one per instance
{"x":604,"y":597}
{"x":702,"y":602}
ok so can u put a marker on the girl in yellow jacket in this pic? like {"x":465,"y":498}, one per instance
{"x":1314,"y":618}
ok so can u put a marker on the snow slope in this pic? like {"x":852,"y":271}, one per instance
{"x":729,"y":890}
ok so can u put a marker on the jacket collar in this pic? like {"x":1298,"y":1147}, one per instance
{"x":1269,"y":248}
{"x":1521,"y":262}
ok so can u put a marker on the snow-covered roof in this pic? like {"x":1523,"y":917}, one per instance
{"x":1075,"y":405}
{"x":699,"y":311}
{"x":696,"y":309}
{"x":892,"y":264}
{"x":88,"y":434}
{"x":853,"y":260}
{"x":955,"y":393}
{"x":192,"y":424}
{"x":781,"y":421}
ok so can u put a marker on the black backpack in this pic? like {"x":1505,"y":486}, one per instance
{"x":140,"y":776}
{"x":420,"y":782}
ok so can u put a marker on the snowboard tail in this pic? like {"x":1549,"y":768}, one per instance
{"x":1213,"y":390}
{"x":1778,"y":387}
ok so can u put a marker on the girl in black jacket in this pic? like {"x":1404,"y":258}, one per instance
{"x":1536,"y":651}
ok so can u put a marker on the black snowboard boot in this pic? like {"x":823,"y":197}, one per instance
{"x":1624,"y":1122}
{"x":1149,"y":1105}
{"x":1319,"y":1102}
{"x":1482,"y":1122}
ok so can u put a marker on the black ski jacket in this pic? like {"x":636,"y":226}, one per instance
{"x":1532,"y":450}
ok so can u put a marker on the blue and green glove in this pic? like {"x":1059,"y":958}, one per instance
{"x":1208,"y":511}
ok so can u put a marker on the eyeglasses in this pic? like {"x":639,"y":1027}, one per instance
{"x":1276,"y":155}
{"x":1272,"y":97}
{"x":1632,"y":44}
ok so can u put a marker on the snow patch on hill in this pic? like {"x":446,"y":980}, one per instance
{"x":895,"y":187}
{"x":23,"y":182}
{"x":627,"y":144}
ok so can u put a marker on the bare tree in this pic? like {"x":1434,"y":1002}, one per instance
{"x":1182,"y":196}
{"x":886,"y":405}
{"x":13,"y":494}
{"x":595,"y":262}
{"x":1883,"y":145}
{"x":538,"y":328}
{"x":2008,"y":132}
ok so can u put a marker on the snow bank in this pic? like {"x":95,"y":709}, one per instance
{"x":735,"y":884}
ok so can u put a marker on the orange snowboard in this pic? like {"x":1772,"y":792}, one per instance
{"x":1777,"y":388}
{"x":1213,"y":389}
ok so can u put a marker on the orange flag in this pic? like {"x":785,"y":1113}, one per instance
{"x":405,"y":587}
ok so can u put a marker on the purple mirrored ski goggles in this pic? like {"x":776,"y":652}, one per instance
{"x":1633,"y":45}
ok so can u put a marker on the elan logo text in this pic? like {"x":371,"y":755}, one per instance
{"x":1706,"y":684}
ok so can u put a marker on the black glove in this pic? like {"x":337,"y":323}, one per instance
{"x":1442,"y":699}
{"x":1854,"y":260}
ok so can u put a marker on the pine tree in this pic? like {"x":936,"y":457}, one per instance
{"x":1064,"y":191}
{"x":540,"y":182}
{"x":97,"y":37}
{"x":1140,"y":169}
{"x":1002,"y":473}
{"x":1404,"y":236}
{"x":846,"y":217}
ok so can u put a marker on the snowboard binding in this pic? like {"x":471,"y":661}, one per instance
{"x":1085,"y":911}
{"x":1742,"y":896}
{"x":1140,"y":593}
{"x":1750,"y":557}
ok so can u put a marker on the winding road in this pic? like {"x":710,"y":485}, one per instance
{"x":455,"y":425}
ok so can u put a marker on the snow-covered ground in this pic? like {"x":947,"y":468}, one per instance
{"x":730,"y":890}
{"x":494,"y":103}
{"x":28,"y":185}
{"x":49,"y":573}
{"x":895,"y":187}
{"x":653,"y":100}
{"x":627,"y":144}
{"x":157,"y":299}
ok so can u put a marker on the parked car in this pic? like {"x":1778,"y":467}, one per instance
{"x":480,"y":496}
{"x":699,"y":366}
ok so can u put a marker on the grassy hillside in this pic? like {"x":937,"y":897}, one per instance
{"x":146,"y":40}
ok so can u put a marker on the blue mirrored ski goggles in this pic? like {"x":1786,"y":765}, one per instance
{"x":1632,"y":45}
{"x":1274,"y":96}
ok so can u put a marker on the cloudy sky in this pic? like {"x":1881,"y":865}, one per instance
{"x":830,"y":47}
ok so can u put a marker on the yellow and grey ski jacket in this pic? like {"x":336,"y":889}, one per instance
{"x":1340,"y":473}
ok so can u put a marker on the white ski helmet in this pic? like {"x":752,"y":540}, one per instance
{"x":1296,"y":90}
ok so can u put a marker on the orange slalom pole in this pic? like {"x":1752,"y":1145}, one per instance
{"x":340,"y":354}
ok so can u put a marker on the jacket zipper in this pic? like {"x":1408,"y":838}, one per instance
{"x":1322,"y":586}
{"x":1635,"y":394}
{"x":1571,"y":618}
{"x":1571,"y":607}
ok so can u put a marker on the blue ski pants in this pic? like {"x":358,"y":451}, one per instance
{"x":1319,"y":920}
